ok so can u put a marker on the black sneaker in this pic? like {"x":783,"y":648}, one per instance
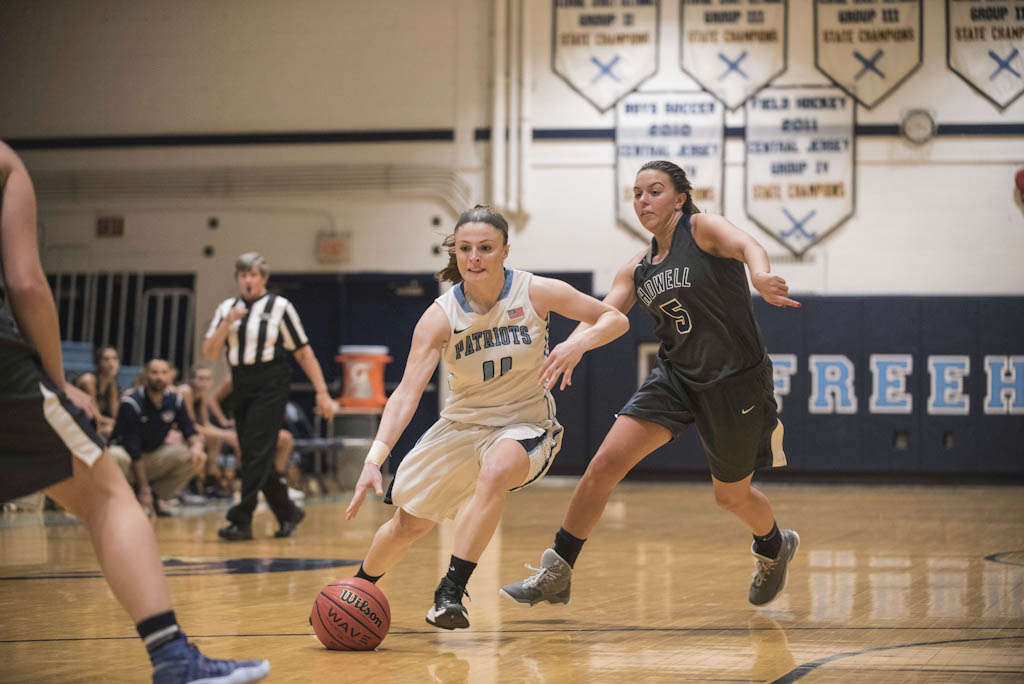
{"x":236,"y":532}
{"x":288,"y":526}
{"x":448,"y":611}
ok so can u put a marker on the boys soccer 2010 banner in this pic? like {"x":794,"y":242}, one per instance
{"x":985,"y":46}
{"x":868,"y":47}
{"x":604,"y":49}
{"x":800,"y":163}
{"x":733,"y":48}
{"x":687,"y":129}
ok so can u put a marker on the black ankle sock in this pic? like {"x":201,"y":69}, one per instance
{"x":567,"y":546}
{"x":459,"y":571}
{"x":769,"y":544}
{"x":361,"y":574}
{"x":158,"y":630}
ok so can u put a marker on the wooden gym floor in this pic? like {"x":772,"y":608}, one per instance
{"x":891,"y":584}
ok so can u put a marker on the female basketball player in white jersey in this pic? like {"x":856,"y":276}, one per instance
{"x":497,"y":431}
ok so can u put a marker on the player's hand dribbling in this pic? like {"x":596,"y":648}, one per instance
{"x":773,"y":288}
{"x":370,"y":478}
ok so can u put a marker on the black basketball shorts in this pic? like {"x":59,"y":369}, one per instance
{"x":40,"y":428}
{"x":737,"y":417}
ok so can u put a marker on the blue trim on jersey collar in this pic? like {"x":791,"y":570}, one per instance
{"x":460,"y":295}
{"x":508,"y":284}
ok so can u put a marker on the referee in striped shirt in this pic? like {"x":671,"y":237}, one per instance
{"x":260,"y":331}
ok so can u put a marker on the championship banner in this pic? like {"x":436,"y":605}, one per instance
{"x":985,"y":46}
{"x":604,"y":49}
{"x":800,"y":163}
{"x":733,"y":48}
{"x":868,"y":48}
{"x":687,"y":129}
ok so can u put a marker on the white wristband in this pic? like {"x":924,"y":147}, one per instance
{"x":378,"y":453}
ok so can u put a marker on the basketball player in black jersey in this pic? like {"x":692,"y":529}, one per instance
{"x":712,"y":369}
{"x":48,"y":443}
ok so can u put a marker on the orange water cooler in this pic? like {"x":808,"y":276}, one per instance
{"x":363,"y":367}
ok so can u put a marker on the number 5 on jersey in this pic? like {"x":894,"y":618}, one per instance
{"x":675,"y":310}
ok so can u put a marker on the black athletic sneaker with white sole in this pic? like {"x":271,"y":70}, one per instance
{"x":770,"y":573}
{"x":448,"y":611}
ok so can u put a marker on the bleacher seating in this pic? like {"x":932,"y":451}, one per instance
{"x":78,"y":360}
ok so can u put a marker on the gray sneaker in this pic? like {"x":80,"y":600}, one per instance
{"x":770,"y":574}
{"x":550,"y":582}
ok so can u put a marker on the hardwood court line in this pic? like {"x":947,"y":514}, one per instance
{"x":803,"y":670}
{"x":585,"y":630}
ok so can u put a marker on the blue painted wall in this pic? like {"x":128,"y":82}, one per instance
{"x":862,"y":441}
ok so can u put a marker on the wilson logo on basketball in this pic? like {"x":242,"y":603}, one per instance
{"x":362,"y":605}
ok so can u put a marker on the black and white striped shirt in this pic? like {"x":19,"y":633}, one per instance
{"x":269,"y":329}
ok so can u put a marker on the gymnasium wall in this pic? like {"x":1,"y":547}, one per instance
{"x":283,"y":121}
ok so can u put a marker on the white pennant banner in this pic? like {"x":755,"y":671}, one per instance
{"x":605,"y":49}
{"x":733,"y":48}
{"x":687,"y":129}
{"x":800,"y":163}
{"x":869,"y":47}
{"x":986,"y":46}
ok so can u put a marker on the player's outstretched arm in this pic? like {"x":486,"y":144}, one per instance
{"x":428,"y":339}
{"x":603,"y":322}
{"x":718,"y":237}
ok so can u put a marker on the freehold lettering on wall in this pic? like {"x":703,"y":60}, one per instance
{"x":833,"y":389}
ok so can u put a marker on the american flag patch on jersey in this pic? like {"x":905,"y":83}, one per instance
{"x":515,"y":314}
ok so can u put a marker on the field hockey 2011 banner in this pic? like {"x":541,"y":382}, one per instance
{"x":687,"y":129}
{"x":868,"y":47}
{"x":733,"y":48}
{"x":604,"y":49}
{"x":800,"y":163}
{"x":985,"y":46}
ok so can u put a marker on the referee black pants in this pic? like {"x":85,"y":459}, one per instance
{"x":260,"y":393}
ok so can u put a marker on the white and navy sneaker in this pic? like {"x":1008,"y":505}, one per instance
{"x":448,"y":611}
{"x":179,"y":662}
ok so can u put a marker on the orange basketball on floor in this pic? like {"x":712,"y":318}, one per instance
{"x":351,"y":614}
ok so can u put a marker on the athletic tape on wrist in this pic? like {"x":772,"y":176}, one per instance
{"x":378,"y":453}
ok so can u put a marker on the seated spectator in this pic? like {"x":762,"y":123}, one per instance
{"x":214,"y":425}
{"x":145,"y":418}
{"x":102,"y":387}
{"x":215,"y":428}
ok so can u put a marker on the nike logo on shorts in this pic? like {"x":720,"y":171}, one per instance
{"x":746,"y":411}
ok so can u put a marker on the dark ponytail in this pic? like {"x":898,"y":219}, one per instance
{"x":679,"y":181}
{"x":481,"y":213}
